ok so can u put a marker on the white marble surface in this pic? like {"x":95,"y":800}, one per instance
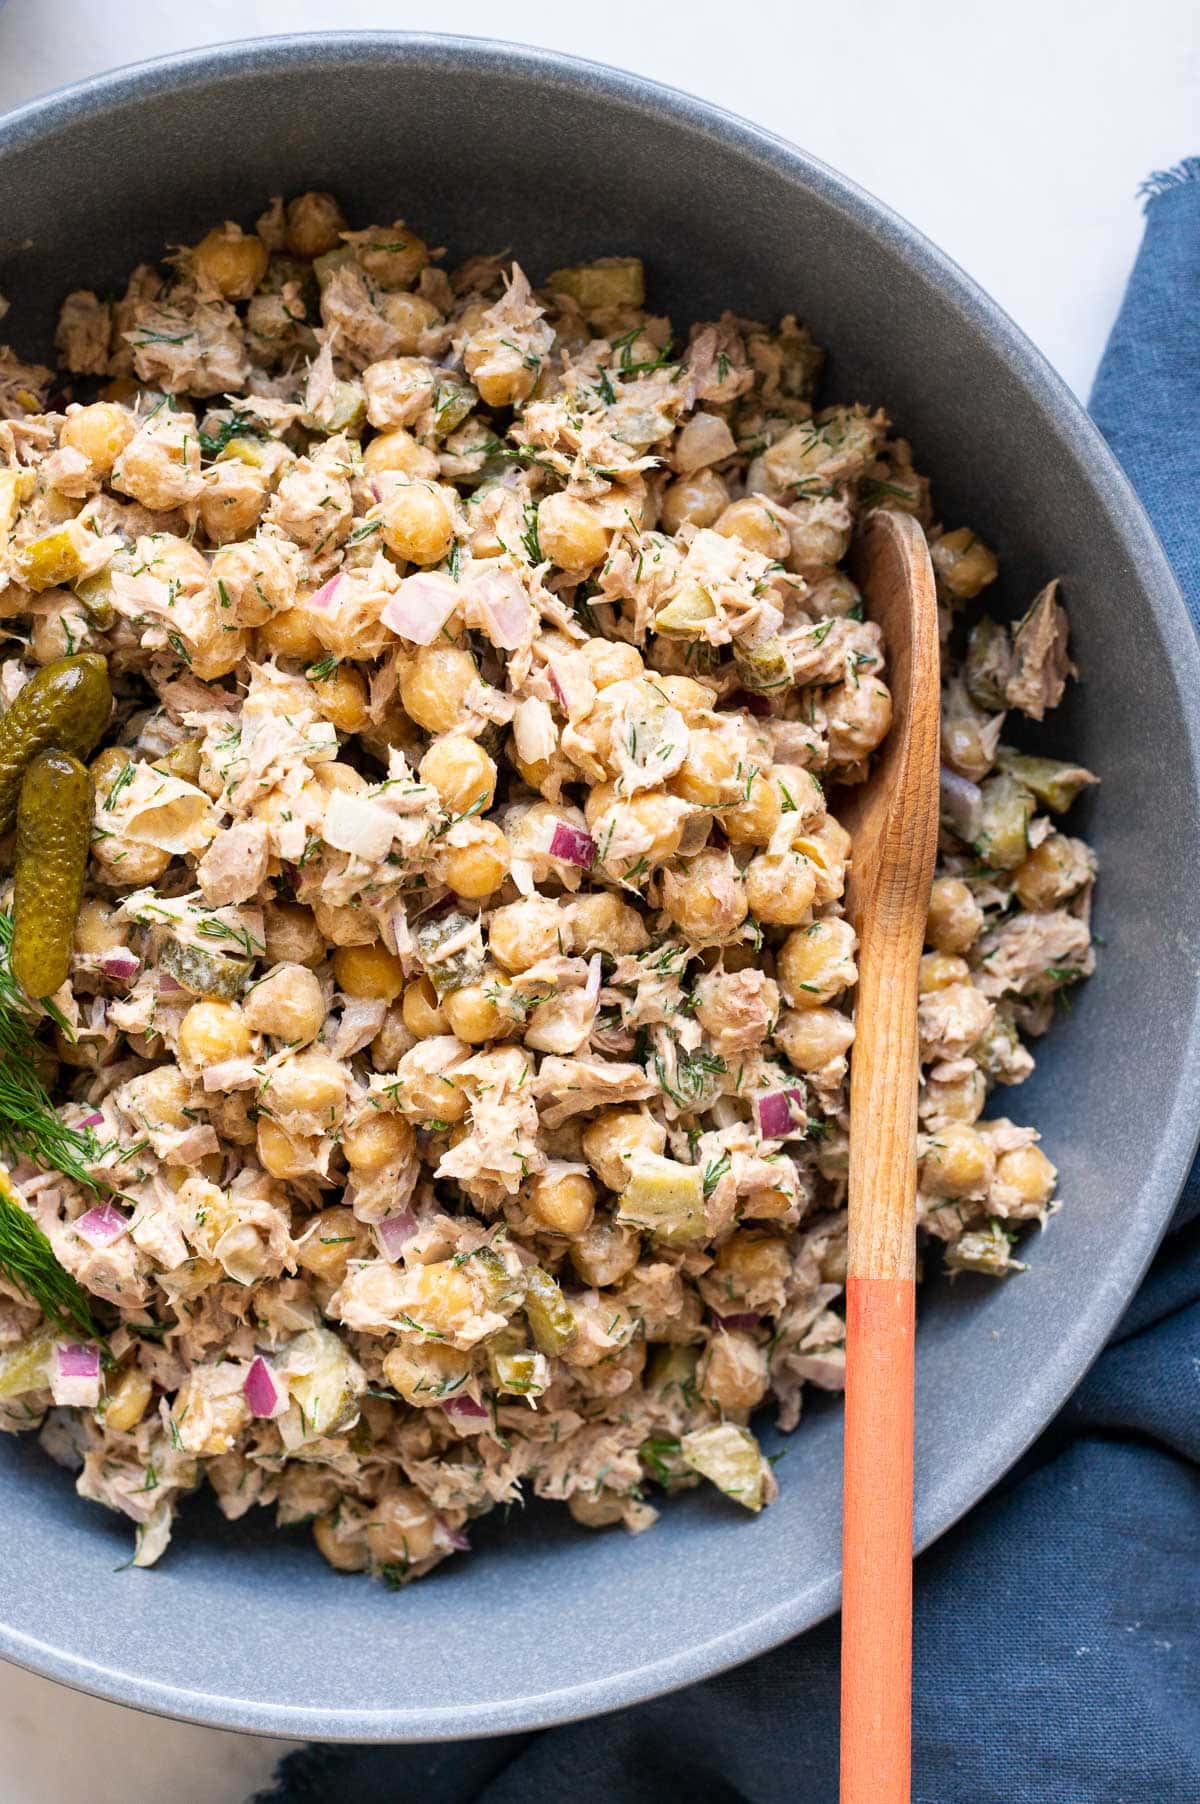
{"x":1014,"y":136}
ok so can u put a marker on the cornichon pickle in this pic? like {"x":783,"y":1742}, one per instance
{"x":1054,"y":783}
{"x":1005,"y":810}
{"x":54,"y":821}
{"x":67,"y":704}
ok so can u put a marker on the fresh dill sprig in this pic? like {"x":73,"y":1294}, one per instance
{"x":31,"y":1130}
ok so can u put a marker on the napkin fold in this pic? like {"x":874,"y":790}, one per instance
{"x":1057,"y":1629}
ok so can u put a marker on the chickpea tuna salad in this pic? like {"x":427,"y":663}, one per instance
{"x":425,"y":992}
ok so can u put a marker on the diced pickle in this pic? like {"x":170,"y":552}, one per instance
{"x":608,"y":282}
{"x":762,"y":666}
{"x":730,"y":1458}
{"x":342,"y":408}
{"x":183,"y":760}
{"x":53,"y":559}
{"x":324,"y":1382}
{"x":205,"y":973}
{"x":686,"y":613}
{"x":986,"y":1250}
{"x":67,"y":704}
{"x":452,"y":404}
{"x":522,"y":1372}
{"x":26,"y":1367}
{"x":244,"y":450}
{"x":664,"y":1198}
{"x":1055,"y":783}
{"x":989,"y":663}
{"x":462,"y":967}
{"x":550,"y":1317}
{"x":95,"y":596}
{"x":671,"y":1366}
{"x":1005,"y":810}
{"x":54,"y":820}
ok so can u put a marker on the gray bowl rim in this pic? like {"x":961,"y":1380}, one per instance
{"x":1167,"y":1168}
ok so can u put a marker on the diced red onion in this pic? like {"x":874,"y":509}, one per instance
{"x":394,"y":1232}
{"x":95,"y":1119}
{"x":466,"y":1409}
{"x":745,"y":1319}
{"x":322,"y":600}
{"x":573,"y":845}
{"x":264,"y":1394}
{"x":120,"y":963}
{"x":421,"y":606}
{"x":504,"y":609}
{"x":961,"y":805}
{"x":167,"y":984}
{"x":457,"y":1538}
{"x":775,"y":1117}
{"x":77,"y":1359}
{"x":103,"y":1224}
{"x":591,"y":989}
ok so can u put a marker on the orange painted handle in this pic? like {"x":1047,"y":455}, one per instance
{"x":876,"y":1738}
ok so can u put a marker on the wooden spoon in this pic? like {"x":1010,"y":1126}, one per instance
{"x":893,"y":820}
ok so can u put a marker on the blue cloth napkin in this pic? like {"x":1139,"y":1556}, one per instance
{"x":1057,"y":1638}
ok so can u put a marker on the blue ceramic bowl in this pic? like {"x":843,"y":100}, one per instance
{"x":485,"y":146}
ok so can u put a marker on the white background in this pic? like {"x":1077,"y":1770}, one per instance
{"x":1014,"y":135}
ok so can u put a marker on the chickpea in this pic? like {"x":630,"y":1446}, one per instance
{"x":711,"y":772}
{"x":410,"y":316}
{"x":229,"y":261}
{"x":311,"y":1083}
{"x":1025,"y":1180}
{"x":955,"y":918}
{"x":752,"y":523}
{"x":694,"y":700}
{"x":816,"y":963}
{"x":292,"y":935}
{"x":345,"y":926}
{"x":780,"y":887}
{"x":418,"y":521}
{"x":751,"y":1268}
{"x":288,"y":634}
{"x":613,"y":1137}
{"x":522,"y":933}
{"x":329,"y":1242}
{"x":285,"y":1155}
{"x":287,"y":1005}
{"x":461,"y":772}
{"x":399,"y":450}
{"x":342,"y":698}
{"x":657,"y":815}
{"x":425,"y":1374}
{"x":858,"y":718}
{"x":953,"y":1099}
{"x":394,"y":258}
{"x":340,"y":777}
{"x":732,"y":1373}
{"x":432,"y":1096}
{"x":393,"y":1040}
{"x":315,"y":224}
{"x":377,"y":1139}
{"x":962,"y":563}
{"x":812,"y":1037}
{"x":125,"y":864}
{"x":96,"y":930}
{"x":422,"y":1010}
{"x":601,"y":922}
{"x":434,"y":686}
{"x":101,"y":432}
{"x":474,"y":1014}
{"x":211,"y":1032}
{"x":369,"y":973}
{"x":402,"y":1528}
{"x":706,"y":898}
{"x":128,"y":1400}
{"x":958,"y":1162}
{"x":562,"y":1201}
{"x":343,"y":1555}
{"x":696,"y":500}
{"x":478,"y":867}
{"x":1052,"y":872}
{"x":612,"y":661}
{"x":836,"y":598}
{"x":605,"y":1252}
{"x":755,"y":817}
{"x":570,"y":533}
{"x":939,"y":970}
{"x":231,"y":503}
